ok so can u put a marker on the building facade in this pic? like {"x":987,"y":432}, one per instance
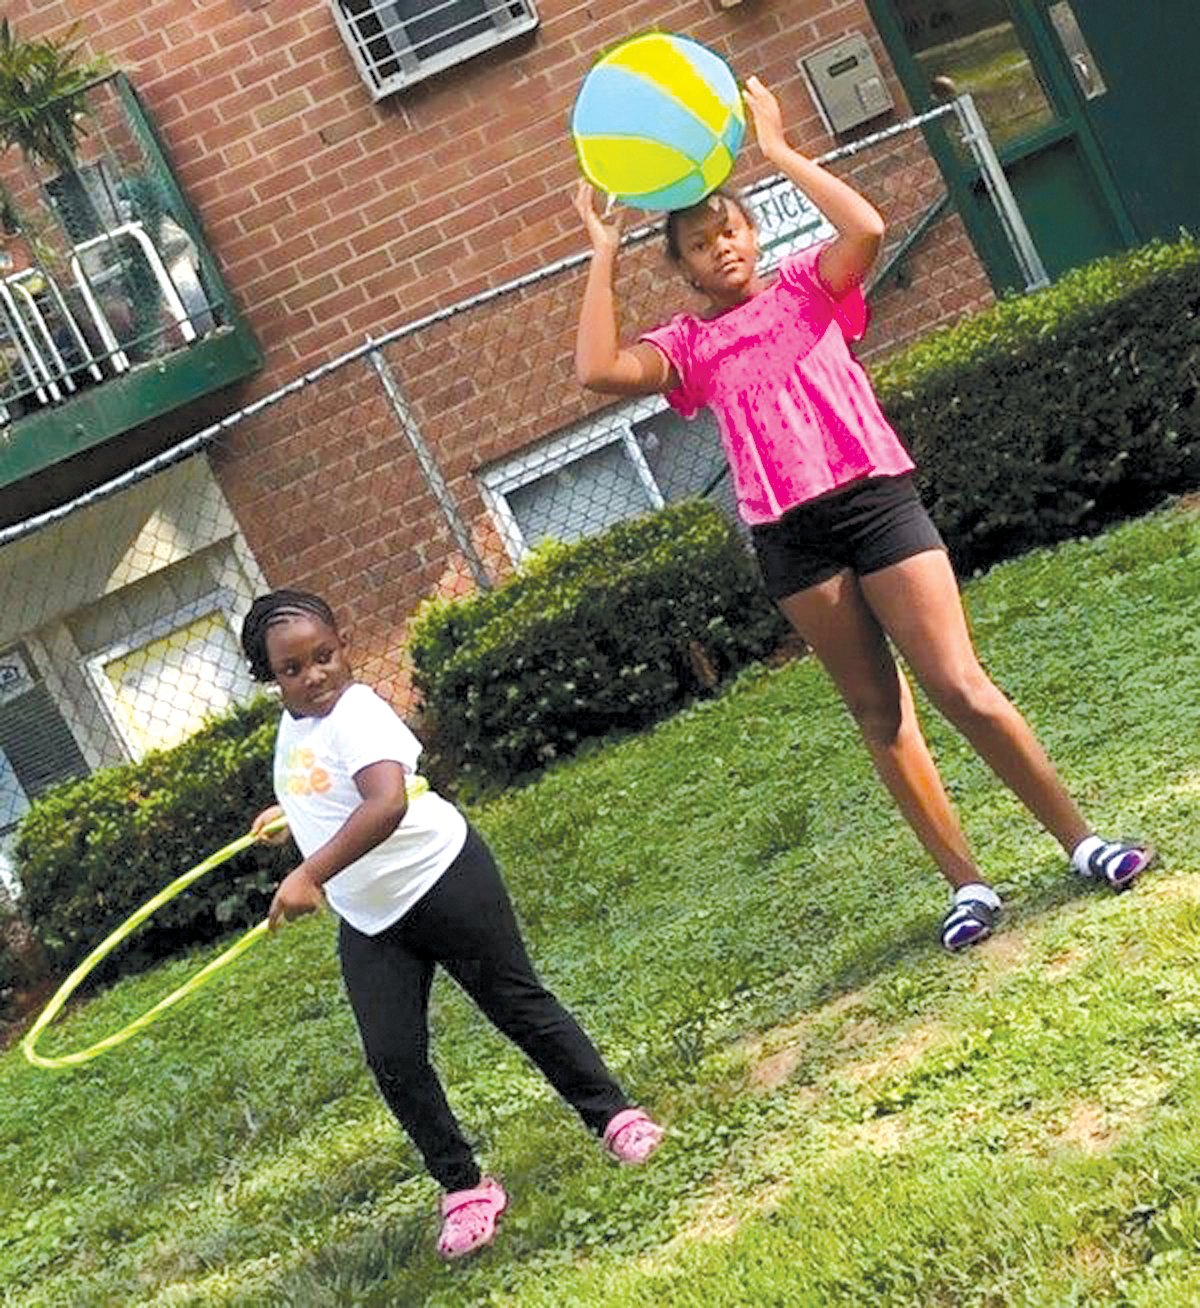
{"x":268,"y":182}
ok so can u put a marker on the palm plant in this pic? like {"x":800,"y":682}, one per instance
{"x":43,"y":105}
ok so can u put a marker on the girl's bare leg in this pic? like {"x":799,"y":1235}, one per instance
{"x":835,"y":620}
{"x":917,"y":602}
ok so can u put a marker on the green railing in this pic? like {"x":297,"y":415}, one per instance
{"x":113,"y":311}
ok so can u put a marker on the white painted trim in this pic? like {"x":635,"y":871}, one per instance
{"x":83,"y":733}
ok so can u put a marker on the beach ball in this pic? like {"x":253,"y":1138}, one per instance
{"x":658,"y":121}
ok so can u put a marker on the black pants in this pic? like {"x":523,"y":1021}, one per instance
{"x":465,"y":923}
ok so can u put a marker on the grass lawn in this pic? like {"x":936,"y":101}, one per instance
{"x":735,"y":913}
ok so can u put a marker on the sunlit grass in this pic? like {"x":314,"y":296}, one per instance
{"x":734,"y":912}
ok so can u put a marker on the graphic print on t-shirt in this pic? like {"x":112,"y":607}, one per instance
{"x":300,"y":773}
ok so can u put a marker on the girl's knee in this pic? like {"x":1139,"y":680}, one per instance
{"x":530,"y":1010}
{"x":877,"y":696}
{"x":399,"y":1063}
{"x":879,"y":718}
{"x":969,"y":696}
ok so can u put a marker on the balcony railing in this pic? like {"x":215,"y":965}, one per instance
{"x":105,"y":278}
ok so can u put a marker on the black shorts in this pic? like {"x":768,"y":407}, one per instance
{"x":869,"y":525}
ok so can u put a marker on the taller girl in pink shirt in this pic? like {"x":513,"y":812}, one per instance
{"x":845,"y":546}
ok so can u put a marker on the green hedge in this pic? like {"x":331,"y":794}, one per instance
{"x":609,"y":633}
{"x":1050,"y":415}
{"x":91,"y":851}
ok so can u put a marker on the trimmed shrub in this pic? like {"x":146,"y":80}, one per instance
{"x":1050,"y":415}
{"x":609,"y":633}
{"x":91,"y":851}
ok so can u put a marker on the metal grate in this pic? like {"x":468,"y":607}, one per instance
{"x":101,"y":265}
{"x":397,"y":42}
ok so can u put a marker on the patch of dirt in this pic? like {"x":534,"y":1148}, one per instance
{"x":1095,"y":1128}
{"x":720,"y":1217}
{"x":1088,"y":1128}
{"x":730,"y":1204}
{"x":1090,"y":1256}
{"x":1064,"y":962}
{"x":775,"y":1054}
{"x":918,"y":1042}
{"x":1186,"y":886}
{"x":856,"y":1034}
{"x":793,"y":646}
{"x":883,"y":1134}
{"x":773,"y":1071}
{"x":1008,"y":949}
{"x":23,"y":1007}
{"x":1098,"y":1263}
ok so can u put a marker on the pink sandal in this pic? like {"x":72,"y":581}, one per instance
{"x":631,"y":1136}
{"x":469,"y":1218}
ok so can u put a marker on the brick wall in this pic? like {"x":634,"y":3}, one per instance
{"x":332,"y":215}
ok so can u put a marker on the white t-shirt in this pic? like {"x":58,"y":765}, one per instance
{"x":315,"y":763}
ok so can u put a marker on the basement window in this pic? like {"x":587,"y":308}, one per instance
{"x":398,"y":42}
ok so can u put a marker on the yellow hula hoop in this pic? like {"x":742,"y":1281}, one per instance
{"x":106,"y":946}
{"x":416,"y":786}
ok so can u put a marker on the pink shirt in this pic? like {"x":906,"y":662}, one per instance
{"x":796,"y":412}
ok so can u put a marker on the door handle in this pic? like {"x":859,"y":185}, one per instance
{"x":1088,"y":76}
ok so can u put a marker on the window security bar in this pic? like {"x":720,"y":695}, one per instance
{"x":398,"y":27}
{"x":59,"y":372}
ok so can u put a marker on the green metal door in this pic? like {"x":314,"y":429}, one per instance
{"x":1003,"y":53}
{"x":1134,"y":73}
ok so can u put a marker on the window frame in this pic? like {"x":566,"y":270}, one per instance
{"x":610,"y":427}
{"x":221,"y":602}
{"x":412,"y":68}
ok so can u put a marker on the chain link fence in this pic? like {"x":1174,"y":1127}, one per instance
{"x":427,"y":463}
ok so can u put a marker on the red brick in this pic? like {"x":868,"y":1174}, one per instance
{"x":326,"y":259}
{"x":283,"y":183}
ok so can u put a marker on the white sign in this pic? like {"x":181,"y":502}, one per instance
{"x":15,"y":677}
{"x":787,"y":221}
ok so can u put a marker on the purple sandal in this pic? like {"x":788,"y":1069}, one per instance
{"x":1119,"y":864}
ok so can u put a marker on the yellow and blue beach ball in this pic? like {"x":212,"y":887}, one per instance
{"x":658,"y":121}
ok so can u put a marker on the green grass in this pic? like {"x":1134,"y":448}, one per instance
{"x":733,"y":910}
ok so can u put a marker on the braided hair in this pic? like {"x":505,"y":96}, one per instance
{"x":706,"y":206}
{"x":270,"y":610}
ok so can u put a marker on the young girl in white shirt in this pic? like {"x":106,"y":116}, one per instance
{"x":414,"y":886}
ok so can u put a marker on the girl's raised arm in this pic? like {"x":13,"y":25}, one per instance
{"x":846,"y":260}
{"x":601,"y":364}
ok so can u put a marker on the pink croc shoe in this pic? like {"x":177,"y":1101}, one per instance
{"x":631,"y":1136}
{"x":469,"y":1218}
